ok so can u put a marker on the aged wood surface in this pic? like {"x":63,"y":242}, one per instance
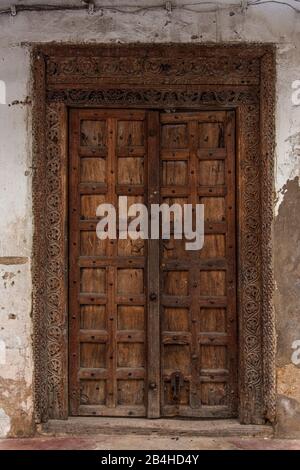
{"x":108,"y":159}
{"x":153,"y":324}
{"x":199,"y":342}
{"x":191,"y":364}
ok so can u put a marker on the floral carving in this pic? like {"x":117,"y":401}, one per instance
{"x":153,"y":97}
{"x":165,"y":70}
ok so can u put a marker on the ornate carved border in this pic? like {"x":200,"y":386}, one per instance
{"x":185,"y":76}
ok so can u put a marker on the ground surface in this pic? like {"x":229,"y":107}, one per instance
{"x":149,"y":442}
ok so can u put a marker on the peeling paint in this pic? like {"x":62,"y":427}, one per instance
{"x":288,"y":379}
{"x":12,"y":260}
{"x":16,"y":402}
{"x":288,"y":417}
{"x":8,"y":275}
{"x":292,"y":169}
{"x":287,"y":271}
{"x":287,"y":275}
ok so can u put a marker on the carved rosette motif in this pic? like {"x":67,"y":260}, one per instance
{"x":244,"y":90}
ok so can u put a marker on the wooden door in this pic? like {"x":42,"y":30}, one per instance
{"x":152,"y":327}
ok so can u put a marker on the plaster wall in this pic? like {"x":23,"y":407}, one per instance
{"x":270,"y":23}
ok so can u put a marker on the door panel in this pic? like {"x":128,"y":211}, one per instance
{"x":198,"y":317}
{"x":108,"y":278}
{"x":152,"y":325}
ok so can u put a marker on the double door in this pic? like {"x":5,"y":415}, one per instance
{"x":152,"y":325}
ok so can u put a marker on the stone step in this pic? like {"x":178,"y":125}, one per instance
{"x":163,"y":427}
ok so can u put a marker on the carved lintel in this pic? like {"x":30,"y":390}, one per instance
{"x":235,"y":70}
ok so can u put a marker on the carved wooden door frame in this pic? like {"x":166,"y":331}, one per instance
{"x":237,"y":77}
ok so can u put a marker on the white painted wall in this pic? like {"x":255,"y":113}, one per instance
{"x":266,"y":23}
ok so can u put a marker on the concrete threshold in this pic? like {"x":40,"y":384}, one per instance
{"x":162,"y":427}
